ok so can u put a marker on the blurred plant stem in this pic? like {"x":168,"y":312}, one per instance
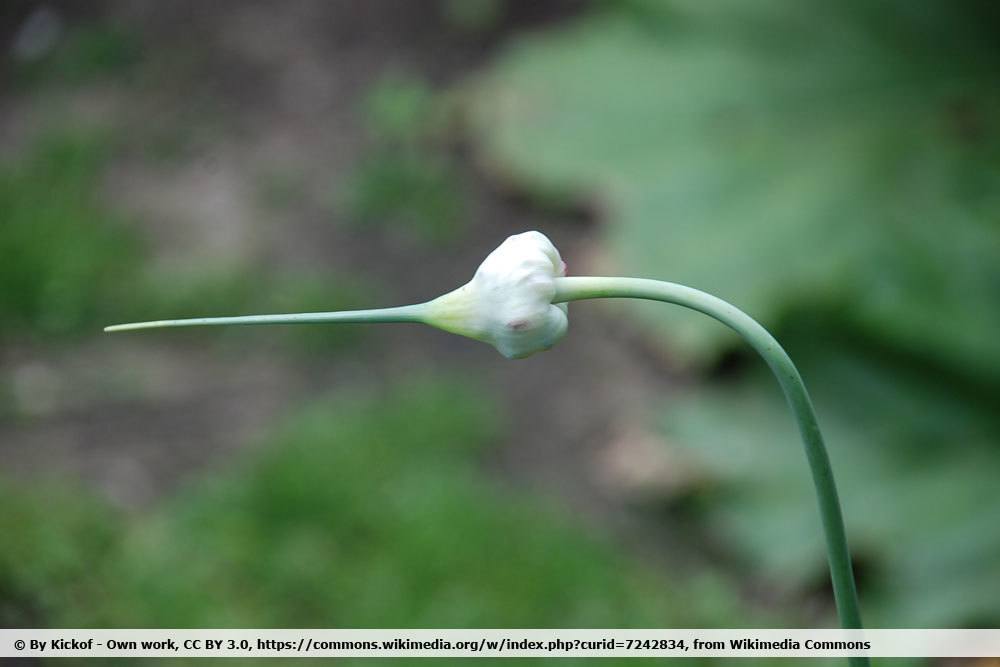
{"x":845,"y":592}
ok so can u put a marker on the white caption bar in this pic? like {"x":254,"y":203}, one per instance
{"x":493,"y":643}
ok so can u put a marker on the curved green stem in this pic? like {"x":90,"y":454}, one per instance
{"x":845,"y":593}
{"x":573,"y":289}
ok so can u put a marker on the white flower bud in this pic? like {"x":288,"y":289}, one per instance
{"x":508,"y":303}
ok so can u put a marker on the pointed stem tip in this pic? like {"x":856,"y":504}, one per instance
{"x":413,"y":313}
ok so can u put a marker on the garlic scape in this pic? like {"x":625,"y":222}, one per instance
{"x":516,"y":302}
{"x":508,"y":303}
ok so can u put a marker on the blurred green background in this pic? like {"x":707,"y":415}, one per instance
{"x":832,"y":168}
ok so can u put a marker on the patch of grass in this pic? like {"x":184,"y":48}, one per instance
{"x":362,"y":511}
{"x":408,"y":178}
{"x":402,"y":110}
{"x":411,"y":190}
{"x":472,"y":16}
{"x":72,"y":264}
{"x":67,"y":257}
{"x":84,"y":53}
{"x":53,"y":537}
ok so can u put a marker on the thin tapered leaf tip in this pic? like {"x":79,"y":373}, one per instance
{"x":133,"y":325}
{"x":398,"y":314}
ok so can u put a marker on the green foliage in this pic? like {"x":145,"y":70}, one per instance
{"x":85,"y":53}
{"x":806,"y":161}
{"x":54,"y":538}
{"x":407,"y":178}
{"x":364,"y":511}
{"x":916,"y":461}
{"x":472,"y":16}
{"x":400,"y":110}
{"x":369,"y":513}
{"x":410,"y":189}
{"x":840,"y":156}
{"x":73,"y":265}
{"x":67,"y":258}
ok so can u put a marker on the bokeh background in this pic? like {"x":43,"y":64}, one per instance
{"x":832,"y":168}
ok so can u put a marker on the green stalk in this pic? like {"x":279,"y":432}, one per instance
{"x":413,"y":313}
{"x":845,"y":593}
{"x":442,"y":311}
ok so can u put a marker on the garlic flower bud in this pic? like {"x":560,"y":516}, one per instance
{"x":508,"y":302}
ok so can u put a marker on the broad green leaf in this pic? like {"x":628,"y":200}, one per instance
{"x":841,"y":156}
{"x":916,"y":462}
